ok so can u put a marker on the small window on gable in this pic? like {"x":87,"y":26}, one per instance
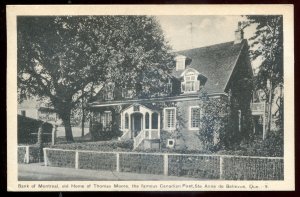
{"x":190,"y":82}
{"x":109,"y":92}
{"x":127,"y":93}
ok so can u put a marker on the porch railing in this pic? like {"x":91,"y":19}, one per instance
{"x":125,"y":136}
{"x":258,"y":108}
{"x":138,"y":139}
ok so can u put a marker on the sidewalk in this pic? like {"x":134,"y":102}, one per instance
{"x":38,"y":172}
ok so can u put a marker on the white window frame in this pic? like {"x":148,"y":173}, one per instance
{"x":165,"y":119}
{"x":190,"y":118}
{"x":193,"y":81}
{"x":168,"y":143}
{"x":108,"y":121}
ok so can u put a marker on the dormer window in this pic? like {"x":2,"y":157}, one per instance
{"x":127,"y":93}
{"x":190,"y":82}
{"x":109,"y":92}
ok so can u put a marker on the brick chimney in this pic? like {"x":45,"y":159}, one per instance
{"x":239,"y":34}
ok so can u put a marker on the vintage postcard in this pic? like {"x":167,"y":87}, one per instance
{"x":150,"y":98}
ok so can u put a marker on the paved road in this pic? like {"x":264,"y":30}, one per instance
{"x":38,"y":172}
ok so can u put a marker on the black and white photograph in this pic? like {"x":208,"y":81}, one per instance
{"x":165,"y":101}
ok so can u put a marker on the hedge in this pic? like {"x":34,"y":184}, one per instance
{"x":141,"y":163}
{"x":196,"y":166}
{"x":98,"y":146}
{"x":207,"y":167}
{"x":21,"y":154}
{"x":236,"y":168}
{"x":60,"y":158}
{"x":97,"y":161}
{"x":33,"y":154}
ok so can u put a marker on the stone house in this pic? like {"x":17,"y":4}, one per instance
{"x":220,"y":71}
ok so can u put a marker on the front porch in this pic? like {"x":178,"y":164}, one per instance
{"x":142,"y":125}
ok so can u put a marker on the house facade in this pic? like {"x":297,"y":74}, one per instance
{"x":220,"y":72}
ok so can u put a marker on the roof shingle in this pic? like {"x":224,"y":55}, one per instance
{"x":216,"y":62}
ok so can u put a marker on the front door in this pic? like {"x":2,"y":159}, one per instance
{"x":136,"y":123}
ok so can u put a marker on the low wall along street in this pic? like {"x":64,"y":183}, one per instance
{"x":223,"y":167}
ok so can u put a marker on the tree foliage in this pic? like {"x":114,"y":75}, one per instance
{"x":214,"y":129}
{"x":65,"y":59}
{"x":267,"y":46}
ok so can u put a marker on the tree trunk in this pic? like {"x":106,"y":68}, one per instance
{"x":68,"y":129}
{"x":270,"y":108}
{"x":82,"y":120}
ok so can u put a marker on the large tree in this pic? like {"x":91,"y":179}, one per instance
{"x":267,"y":48}
{"x":64,"y":58}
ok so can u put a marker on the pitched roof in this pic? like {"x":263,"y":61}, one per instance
{"x":216,"y":62}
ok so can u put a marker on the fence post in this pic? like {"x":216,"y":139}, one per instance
{"x":27,"y":155}
{"x":54,"y":131}
{"x":45,"y":157}
{"x":221,"y":168}
{"x":76,"y":160}
{"x":166,"y":165}
{"x":118,"y":162}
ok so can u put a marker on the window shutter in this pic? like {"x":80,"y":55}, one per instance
{"x":197,"y":85}
{"x":182,"y":86}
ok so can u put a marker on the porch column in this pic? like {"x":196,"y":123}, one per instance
{"x":129,"y":125}
{"x":150,"y":125}
{"x":121,"y":116}
{"x":144,"y":121}
{"x":158,"y":125}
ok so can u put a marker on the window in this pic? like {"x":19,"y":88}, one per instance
{"x":126,"y":121}
{"x":127,"y":93}
{"x":147,"y":120}
{"x":170,"y":143}
{"x":170,"y":115}
{"x":106,"y":119}
{"x":154,"y":120}
{"x":190,"y":82}
{"x":194,"y":117}
{"x":109,"y":92}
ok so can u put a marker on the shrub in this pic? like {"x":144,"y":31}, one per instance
{"x":97,"y":161}
{"x":194,"y":166}
{"x":98,"y":146}
{"x":140,"y":163}
{"x":61,"y":158}
{"x":100,"y":133}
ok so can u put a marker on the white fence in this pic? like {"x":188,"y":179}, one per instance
{"x":194,"y":165}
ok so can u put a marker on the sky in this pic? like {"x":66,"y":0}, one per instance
{"x":186,"y":32}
